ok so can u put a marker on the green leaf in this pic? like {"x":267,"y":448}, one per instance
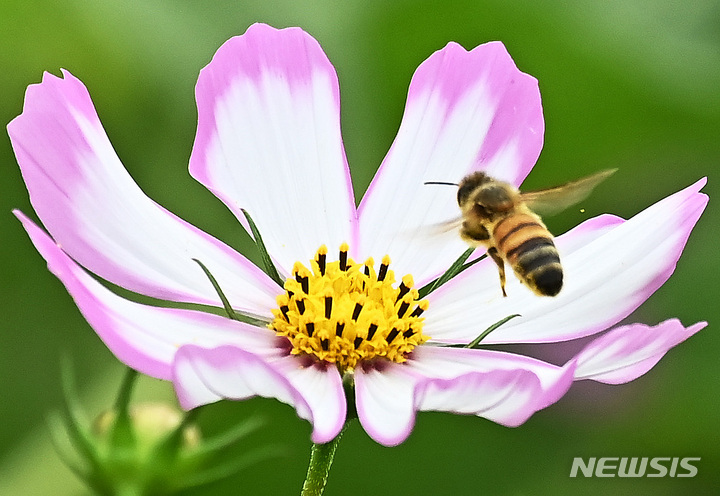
{"x":225,"y":439}
{"x":265,"y":256}
{"x":475,"y":342}
{"x":59,"y":428}
{"x":454,"y":270}
{"x":228,"y":468}
{"x":76,"y":421}
{"x":231,"y":312}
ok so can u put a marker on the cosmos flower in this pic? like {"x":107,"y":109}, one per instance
{"x":348,"y":319}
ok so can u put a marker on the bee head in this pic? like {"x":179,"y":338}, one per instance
{"x":484,"y":196}
{"x":495,"y":196}
{"x":469,"y":184}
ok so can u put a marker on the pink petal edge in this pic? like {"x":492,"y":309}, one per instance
{"x":625,"y":353}
{"x":268,"y":141}
{"x":466,"y":110}
{"x":143,"y":337}
{"x":92,"y":207}
{"x":501,"y":387}
{"x":206,"y":375}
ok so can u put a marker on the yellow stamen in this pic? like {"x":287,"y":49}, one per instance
{"x":346,"y":313}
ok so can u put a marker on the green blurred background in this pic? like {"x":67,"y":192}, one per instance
{"x":633,"y":84}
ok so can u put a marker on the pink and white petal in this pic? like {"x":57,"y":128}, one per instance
{"x":201,"y":374}
{"x":625,"y":353}
{"x":143,"y":337}
{"x":322,"y":388}
{"x":501,"y":387}
{"x":610,"y":269}
{"x":465,"y":111}
{"x":506,"y":397}
{"x":269,"y":142}
{"x":205,"y":375}
{"x":385,"y":403}
{"x":101,"y":218}
{"x":448,"y":363}
{"x":190,"y":388}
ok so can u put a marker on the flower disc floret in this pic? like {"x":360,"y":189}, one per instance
{"x":345,"y":313}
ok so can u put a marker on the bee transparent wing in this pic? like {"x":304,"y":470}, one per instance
{"x":444,"y":227}
{"x":436,"y":232}
{"x":553,"y":200}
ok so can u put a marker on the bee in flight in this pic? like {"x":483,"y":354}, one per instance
{"x":503,"y":220}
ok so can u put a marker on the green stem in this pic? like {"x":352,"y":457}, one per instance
{"x":321,"y":458}
{"x":123,"y":399}
{"x":122,"y":431}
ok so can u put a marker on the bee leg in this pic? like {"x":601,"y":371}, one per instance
{"x":501,"y":267}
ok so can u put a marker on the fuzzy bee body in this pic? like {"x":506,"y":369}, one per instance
{"x":528,"y":248}
{"x":502,"y":219}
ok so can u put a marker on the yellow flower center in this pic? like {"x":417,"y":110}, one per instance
{"x":347,"y":313}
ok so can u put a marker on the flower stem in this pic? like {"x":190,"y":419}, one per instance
{"x":321,"y":458}
{"x":122,"y":431}
{"x":123,"y":399}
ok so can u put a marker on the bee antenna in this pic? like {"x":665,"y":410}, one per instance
{"x":441,"y":182}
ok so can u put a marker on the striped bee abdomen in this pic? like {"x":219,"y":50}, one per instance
{"x":528,"y":247}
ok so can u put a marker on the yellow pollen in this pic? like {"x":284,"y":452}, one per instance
{"x":346,"y":313}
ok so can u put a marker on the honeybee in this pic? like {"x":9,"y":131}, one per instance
{"x":496,"y":215}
